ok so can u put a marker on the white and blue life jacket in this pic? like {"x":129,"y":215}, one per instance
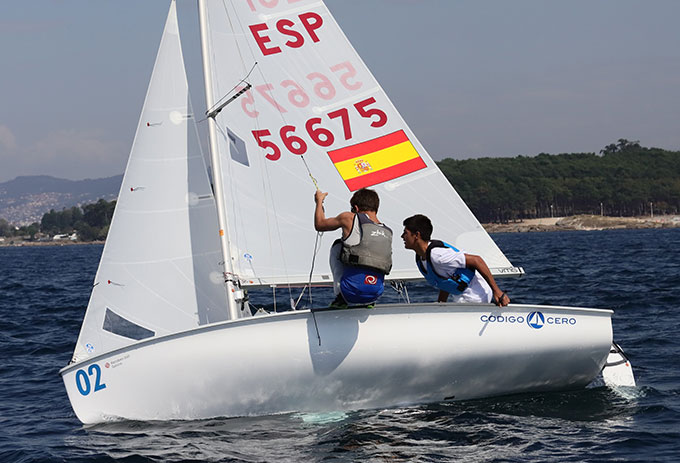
{"x":453,"y":284}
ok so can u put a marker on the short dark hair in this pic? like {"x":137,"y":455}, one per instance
{"x":421,"y":224}
{"x":365,"y":200}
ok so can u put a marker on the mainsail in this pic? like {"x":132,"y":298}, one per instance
{"x":315,"y":115}
{"x":161,"y":269}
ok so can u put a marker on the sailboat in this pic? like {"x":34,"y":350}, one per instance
{"x":169,"y":332}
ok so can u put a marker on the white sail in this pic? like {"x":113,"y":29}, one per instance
{"x":315,"y":108}
{"x":161,"y":269}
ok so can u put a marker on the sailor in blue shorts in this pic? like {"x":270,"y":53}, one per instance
{"x":363,"y":256}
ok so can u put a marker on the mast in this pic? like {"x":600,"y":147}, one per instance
{"x":215,"y":162}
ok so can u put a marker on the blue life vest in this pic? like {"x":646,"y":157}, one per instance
{"x":454,"y":284}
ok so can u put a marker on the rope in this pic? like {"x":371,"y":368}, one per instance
{"x":274,"y":296}
{"x":308,"y":287}
{"x":316,"y":184}
{"x":293,"y":303}
{"x":318,"y":335}
{"x":400,"y":287}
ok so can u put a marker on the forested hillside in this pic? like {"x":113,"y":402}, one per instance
{"x":90,"y":222}
{"x":624,"y":179}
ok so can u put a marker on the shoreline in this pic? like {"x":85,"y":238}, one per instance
{"x":584,"y":223}
{"x":19,"y":244}
{"x":548,"y":224}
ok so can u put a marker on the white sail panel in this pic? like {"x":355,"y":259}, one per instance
{"x":315,"y":105}
{"x":160,"y":270}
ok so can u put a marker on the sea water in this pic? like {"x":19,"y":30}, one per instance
{"x":44,"y":292}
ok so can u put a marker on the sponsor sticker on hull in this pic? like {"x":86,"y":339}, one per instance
{"x":535,"y":320}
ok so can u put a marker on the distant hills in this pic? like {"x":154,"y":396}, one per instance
{"x":25,"y":199}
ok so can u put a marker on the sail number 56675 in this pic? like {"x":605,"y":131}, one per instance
{"x":319,"y":135}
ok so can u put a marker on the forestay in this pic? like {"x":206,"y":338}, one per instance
{"x":314,"y":107}
{"x":161,"y":269}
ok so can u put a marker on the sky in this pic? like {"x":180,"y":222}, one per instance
{"x":472,"y":78}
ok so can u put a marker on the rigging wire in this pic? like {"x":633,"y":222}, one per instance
{"x":308,"y":287}
{"x":293,"y":303}
{"x":317,"y":242}
{"x":274,"y":296}
{"x":317,"y":245}
{"x":318,"y":335}
{"x":215,"y":110}
{"x":400,"y":287}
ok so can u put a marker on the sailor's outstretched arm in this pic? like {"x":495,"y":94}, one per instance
{"x":477,"y":263}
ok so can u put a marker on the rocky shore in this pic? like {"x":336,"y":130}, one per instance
{"x":583,"y":222}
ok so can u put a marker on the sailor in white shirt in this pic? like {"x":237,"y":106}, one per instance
{"x":451,"y":270}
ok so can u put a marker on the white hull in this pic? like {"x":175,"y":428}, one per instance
{"x":368,"y":358}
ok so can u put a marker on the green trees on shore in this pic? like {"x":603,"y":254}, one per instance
{"x":9,"y":230}
{"x":624,"y":180}
{"x":91,"y":222}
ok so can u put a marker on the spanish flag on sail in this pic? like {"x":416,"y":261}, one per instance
{"x":376,"y":161}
